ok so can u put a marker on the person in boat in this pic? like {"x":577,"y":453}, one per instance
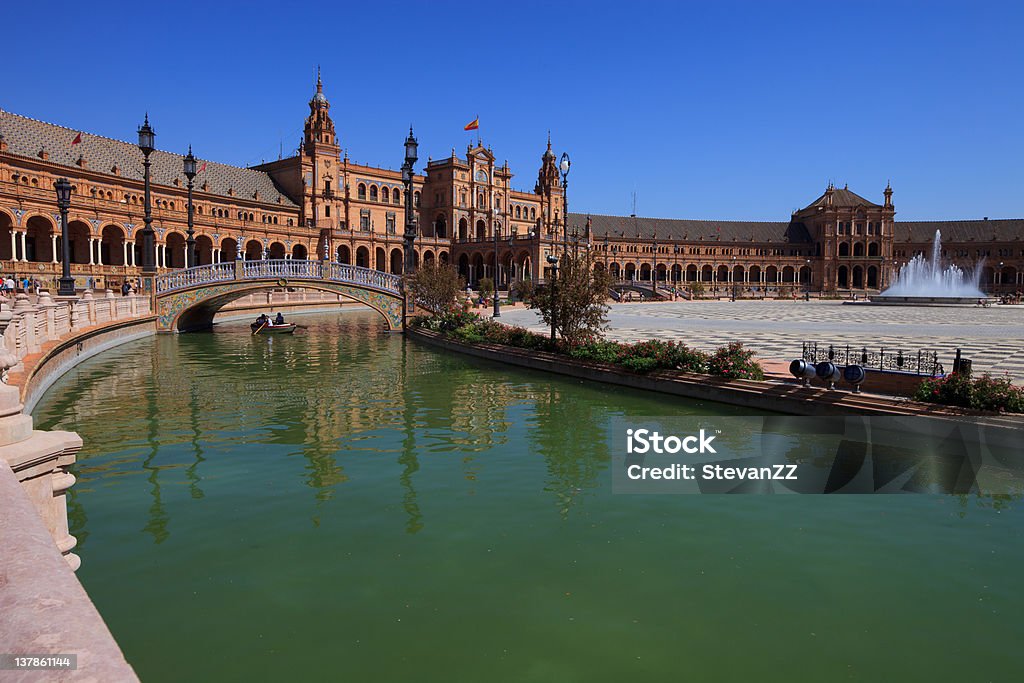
{"x":262,"y":319}
{"x":279,"y":320}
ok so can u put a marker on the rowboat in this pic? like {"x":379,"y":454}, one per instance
{"x":270,"y":328}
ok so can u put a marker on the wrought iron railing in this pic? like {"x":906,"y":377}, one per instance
{"x":920,"y":362}
{"x":197,"y":275}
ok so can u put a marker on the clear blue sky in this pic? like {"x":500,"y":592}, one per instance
{"x":730,"y":110}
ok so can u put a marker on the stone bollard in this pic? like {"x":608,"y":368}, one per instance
{"x":48,"y":307}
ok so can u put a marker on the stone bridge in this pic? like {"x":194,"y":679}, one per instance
{"x":188,"y":299}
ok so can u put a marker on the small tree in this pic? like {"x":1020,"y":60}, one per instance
{"x":696,"y":289}
{"x":524,"y":290}
{"x":436,"y":286}
{"x":486,"y":287}
{"x":578,"y":299}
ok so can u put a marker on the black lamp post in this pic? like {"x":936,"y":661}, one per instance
{"x":732,"y":276}
{"x":497,"y":267}
{"x":190,"y":243}
{"x":147,"y":142}
{"x":654,"y":271}
{"x":411,"y":147}
{"x":67,"y":283}
{"x":810,"y":280}
{"x":564,"y":165}
{"x":553,"y":260}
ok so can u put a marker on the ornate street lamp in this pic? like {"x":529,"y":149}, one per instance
{"x":411,"y":146}
{"x":190,"y":243}
{"x":732,"y":276}
{"x":497,"y":267}
{"x":807,"y":292}
{"x":553,"y":260}
{"x":147,"y":142}
{"x":564,"y":165}
{"x":654,"y":270}
{"x":67,"y":283}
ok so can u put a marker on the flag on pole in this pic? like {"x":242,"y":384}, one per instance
{"x":78,"y":138}
{"x":473,"y":125}
{"x":202,"y":168}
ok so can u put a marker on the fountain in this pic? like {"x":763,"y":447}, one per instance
{"x":923,"y":281}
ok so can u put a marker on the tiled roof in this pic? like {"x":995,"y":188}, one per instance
{"x":681,"y":229}
{"x":960,"y":231}
{"x":843,"y":198}
{"x":26,"y":137}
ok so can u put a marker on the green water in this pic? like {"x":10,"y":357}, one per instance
{"x":342,"y":504}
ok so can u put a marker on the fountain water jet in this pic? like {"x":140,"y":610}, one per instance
{"x":924,"y":281}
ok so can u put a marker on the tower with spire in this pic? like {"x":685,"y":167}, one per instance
{"x":549,"y":187}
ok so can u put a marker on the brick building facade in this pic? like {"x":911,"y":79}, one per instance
{"x":317,"y":204}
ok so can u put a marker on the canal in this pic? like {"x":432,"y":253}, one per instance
{"x":346,"y":504}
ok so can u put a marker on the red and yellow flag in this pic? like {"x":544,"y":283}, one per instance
{"x":78,"y":138}
{"x":473,"y":125}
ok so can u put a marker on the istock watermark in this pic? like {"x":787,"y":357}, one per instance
{"x":781,"y":454}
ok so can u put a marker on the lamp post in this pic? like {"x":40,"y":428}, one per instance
{"x":553,"y":260}
{"x":67,"y":283}
{"x":411,"y":146}
{"x":807,"y":292}
{"x":147,"y":142}
{"x":732,"y":277}
{"x":564,"y":165}
{"x":497,"y":267}
{"x":675,"y":264}
{"x":654,"y":269}
{"x":190,"y":243}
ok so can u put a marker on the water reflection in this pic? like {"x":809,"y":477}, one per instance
{"x":181,"y":409}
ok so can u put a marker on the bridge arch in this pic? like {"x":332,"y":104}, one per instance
{"x":189,"y":299}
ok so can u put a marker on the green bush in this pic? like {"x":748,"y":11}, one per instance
{"x":599,"y":352}
{"x":640,"y":364}
{"x":735,"y":362}
{"x":996,"y":394}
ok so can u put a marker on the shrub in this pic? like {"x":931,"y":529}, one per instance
{"x":640,"y":364}
{"x":690,"y":360}
{"x":735,"y":362}
{"x":984,"y":393}
{"x":952,"y":390}
{"x":599,"y":352}
{"x":452,"y":320}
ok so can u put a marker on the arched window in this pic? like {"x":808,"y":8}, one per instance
{"x":416,"y":199}
{"x":396,"y":196}
{"x":361,"y":191}
{"x":373,"y":193}
{"x":385,"y":195}
{"x":519,"y":213}
{"x":533,"y":213}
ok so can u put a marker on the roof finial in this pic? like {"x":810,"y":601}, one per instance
{"x":549,"y":138}
{"x":190,"y":148}
{"x":319,"y":83}
{"x":146,"y":122}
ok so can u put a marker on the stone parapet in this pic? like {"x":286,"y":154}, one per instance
{"x":45,"y":609}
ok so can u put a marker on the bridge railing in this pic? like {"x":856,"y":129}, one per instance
{"x":198,"y":275}
{"x":279,"y":269}
{"x":366,"y":276}
{"x":282,"y":268}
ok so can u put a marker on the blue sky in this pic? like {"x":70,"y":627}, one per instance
{"x":730,"y":110}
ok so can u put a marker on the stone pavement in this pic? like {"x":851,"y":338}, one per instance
{"x":993,"y":338}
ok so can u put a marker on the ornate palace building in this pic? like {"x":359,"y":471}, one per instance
{"x":318,"y":204}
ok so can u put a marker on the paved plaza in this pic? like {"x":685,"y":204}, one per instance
{"x":993,"y":338}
